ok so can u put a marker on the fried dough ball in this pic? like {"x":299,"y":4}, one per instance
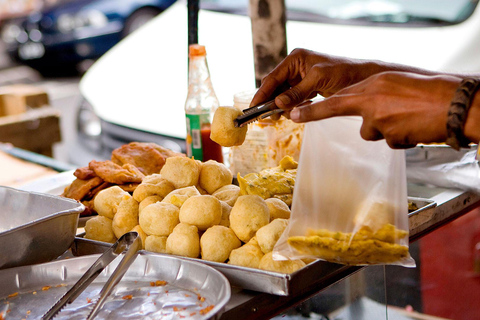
{"x":248,"y":255}
{"x":267,"y":236}
{"x":106,"y":201}
{"x":202,"y":211}
{"x":228,"y":193}
{"x":282,"y":266}
{"x":156,"y":244}
{"x":217,"y":242}
{"x":249,"y":214}
{"x":201,"y":190}
{"x":148,"y":200}
{"x":100,"y":228}
{"x":226,"y":209}
{"x":126,"y":217}
{"x":159,"y":218}
{"x":214,"y":175}
{"x":184,"y":241}
{"x":278,"y":209}
{"x":181,"y":171}
{"x":224,"y":131}
{"x":153,"y":185}
{"x":179,"y":196}
{"x":141,"y":233}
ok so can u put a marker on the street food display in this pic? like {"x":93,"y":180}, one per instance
{"x":190,"y":208}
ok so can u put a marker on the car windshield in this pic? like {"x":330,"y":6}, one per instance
{"x":370,"y":12}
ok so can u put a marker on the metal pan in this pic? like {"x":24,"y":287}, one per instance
{"x":280,"y":284}
{"x":35,"y":227}
{"x":192,"y":290}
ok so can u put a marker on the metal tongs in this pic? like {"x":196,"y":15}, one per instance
{"x":255,"y":113}
{"x":130,"y":243}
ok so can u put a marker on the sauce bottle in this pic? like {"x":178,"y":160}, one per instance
{"x":200,"y":106}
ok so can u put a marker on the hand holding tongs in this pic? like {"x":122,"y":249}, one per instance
{"x":130,"y":243}
{"x":257,"y":113}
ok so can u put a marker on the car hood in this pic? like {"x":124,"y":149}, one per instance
{"x":142,"y":82}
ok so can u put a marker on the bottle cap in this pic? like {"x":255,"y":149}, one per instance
{"x":197,"y":50}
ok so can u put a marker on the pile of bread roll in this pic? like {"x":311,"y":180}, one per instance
{"x":192,"y":209}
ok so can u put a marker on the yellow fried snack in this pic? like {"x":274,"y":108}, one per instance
{"x":267,"y":236}
{"x":181,"y":171}
{"x":224,"y":131}
{"x":363,"y":248}
{"x":141,"y":233}
{"x":201,"y":190}
{"x":153,"y":185}
{"x":106,"y":201}
{"x":217,"y":242}
{"x":159,"y":219}
{"x":148,"y":200}
{"x":228,"y":193}
{"x":184,"y":241}
{"x":248,"y":255}
{"x":202,"y":211}
{"x":99,"y":228}
{"x":282,"y":266}
{"x":126,"y":217}
{"x":249,"y":214}
{"x":226,"y":209}
{"x":278,"y":209}
{"x":179,"y":196}
{"x":156,"y":244}
{"x":275,"y":182}
{"x":214,"y":175}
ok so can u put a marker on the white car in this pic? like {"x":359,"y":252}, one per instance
{"x":138,"y":89}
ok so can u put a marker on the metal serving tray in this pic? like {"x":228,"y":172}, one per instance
{"x":193,"y":290}
{"x":35,"y":227}
{"x":266,"y":281}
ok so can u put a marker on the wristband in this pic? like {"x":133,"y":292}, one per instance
{"x":458,"y":111}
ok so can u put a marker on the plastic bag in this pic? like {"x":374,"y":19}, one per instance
{"x":350,"y":202}
{"x":445,"y":167}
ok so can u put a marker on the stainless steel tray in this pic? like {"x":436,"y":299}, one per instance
{"x":266,"y":281}
{"x":29,"y":291}
{"x":35,"y":227}
{"x":425,"y":212}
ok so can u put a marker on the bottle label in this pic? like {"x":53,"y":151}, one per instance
{"x":194,"y":136}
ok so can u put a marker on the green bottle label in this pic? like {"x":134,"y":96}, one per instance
{"x":194,"y":136}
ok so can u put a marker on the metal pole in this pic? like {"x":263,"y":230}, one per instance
{"x":193,"y":7}
{"x":269,"y":35}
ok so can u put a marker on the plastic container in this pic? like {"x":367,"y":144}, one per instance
{"x":266,"y":143}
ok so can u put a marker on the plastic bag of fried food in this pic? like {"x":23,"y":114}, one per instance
{"x":350,"y":200}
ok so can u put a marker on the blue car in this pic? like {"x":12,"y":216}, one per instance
{"x":56,"y":39}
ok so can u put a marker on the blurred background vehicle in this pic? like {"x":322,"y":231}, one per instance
{"x":137,"y":90}
{"x":56,"y":38}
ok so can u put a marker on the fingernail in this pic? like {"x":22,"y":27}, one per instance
{"x":295,"y":114}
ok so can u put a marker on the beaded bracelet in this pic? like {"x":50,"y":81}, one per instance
{"x":458,"y":111}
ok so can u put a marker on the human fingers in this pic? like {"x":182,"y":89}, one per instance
{"x":336,"y":105}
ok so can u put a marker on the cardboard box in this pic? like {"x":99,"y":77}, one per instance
{"x":19,"y":98}
{"x":35,"y":130}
